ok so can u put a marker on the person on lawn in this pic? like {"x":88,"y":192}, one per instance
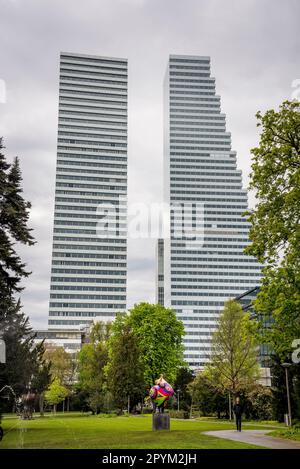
{"x":237,"y":409}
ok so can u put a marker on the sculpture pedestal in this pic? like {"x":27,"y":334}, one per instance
{"x":160,"y":422}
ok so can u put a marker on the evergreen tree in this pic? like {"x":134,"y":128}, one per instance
{"x":21,"y":354}
{"x":14,"y":214}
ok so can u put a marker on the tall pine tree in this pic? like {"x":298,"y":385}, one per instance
{"x":22,"y":356}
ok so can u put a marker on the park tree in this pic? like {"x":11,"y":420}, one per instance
{"x":234,"y":358}
{"x":62,"y":365}
{"x":56,"y":393}
{"x":41,"y":378}
{"x":125,"y":371}
{"x":207,"y":396}
{"x":184,"y":377}
{"x":92,"y":362}
{"x":14,"y":215}
{"x":275,"y":227}
{"x":16,"y":332}
{"x":159,"y":335}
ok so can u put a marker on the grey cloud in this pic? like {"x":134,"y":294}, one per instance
{"x":253,"y":45}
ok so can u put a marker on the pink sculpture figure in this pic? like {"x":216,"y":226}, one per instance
{"x":160,"y":393}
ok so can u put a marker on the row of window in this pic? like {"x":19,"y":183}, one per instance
{"x":216,"y":243}
{"x":87,"y":280}
{"x":99,"y":60}
{"x":99,"y":157}
{"x":76,"y":120}
{"x":72,"y":239}
{"x":90,"y":209}
{"x":208,"y":198}
{"x":219,"y":176}
{"x":189,"y":67}
{"x":88,"y":272}
{"x":79,"y":113}
{"x":199,"y":139}
{"x":62,"y":296}
{"x":74,"y":79}
{"x":187,"y":104}
{"x":88,"y":200}
{"x":196,"y":120}
{"x":91,"y":164}
{"x":83,"y":288}
{"x":174,"y":85}
{"x":86,"y":305}
{"x":105,"y":135}
{"x":89,"y":194}
{"x":91,"y":149}
{"x":91,"y":142}
{"x":52,"y":322}
{"x":207,"y":291}
{"x":74,"y":72}
{"x":99,"y":186}
{"x":187,"y":282}
{"x":211,"y":99}
{"x":65,"y":99}
{"x":207,"y":266}
{"x":201,"y":252}
{"x":87,"y":91}
{"x":241,"y":260}
{"x":99,"y":216}
{"x":190,"y":93}
{"x":199,"y":81}
{"x":100,"y":90}
{"x":107,"y":179}
{"x":88,"y":255}
{"x":65,"y":106}
{"x":198,"y":303}
{"x":92,"y":264}
{"x":198,"y":182}
{"x":208,"y":273}
{"x":76,"y":125}
{"x":186,"y":190}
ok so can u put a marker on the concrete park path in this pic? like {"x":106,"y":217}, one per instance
{"x":255,"y":437}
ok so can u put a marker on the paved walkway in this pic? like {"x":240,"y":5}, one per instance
{"x":255,"y":437}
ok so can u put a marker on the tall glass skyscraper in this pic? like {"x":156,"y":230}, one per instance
{"x":200,"y":170}
{"x":88,"y":275}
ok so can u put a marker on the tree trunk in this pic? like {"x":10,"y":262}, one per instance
{"x":230,"y":407}
{"x":41,"y":404}
{"x":54,"y":408}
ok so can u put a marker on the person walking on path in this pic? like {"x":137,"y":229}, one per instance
{"x":237,"y":409}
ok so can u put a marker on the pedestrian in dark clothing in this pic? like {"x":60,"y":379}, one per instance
{"x":238,"y":410}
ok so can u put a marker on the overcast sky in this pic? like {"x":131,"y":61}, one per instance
{"x":254,"y":49}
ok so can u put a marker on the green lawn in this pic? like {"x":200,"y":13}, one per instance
{"x":86,"y":431}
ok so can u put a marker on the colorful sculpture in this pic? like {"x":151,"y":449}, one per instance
{"x":160,"y":393}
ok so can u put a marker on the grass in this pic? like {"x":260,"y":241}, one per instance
{"x":78,"y":431}
{"x":288,"y":433}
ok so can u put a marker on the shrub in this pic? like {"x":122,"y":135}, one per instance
{"x":107,"y":416}
{"x":179,"y":414}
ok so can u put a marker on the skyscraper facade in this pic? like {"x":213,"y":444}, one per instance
{"x":159,"y":280}
{"x":200,"y":170}
{"x":89,"y":257}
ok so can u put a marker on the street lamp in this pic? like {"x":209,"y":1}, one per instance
{"x":178,"y":391}
{"x":286,"y":367}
